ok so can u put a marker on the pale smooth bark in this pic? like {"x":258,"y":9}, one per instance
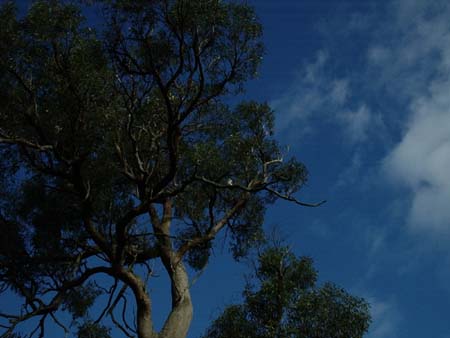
{"x":179,"y":319}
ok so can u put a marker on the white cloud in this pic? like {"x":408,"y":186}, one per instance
{"x":402,"y":87}
{"x":421,"y":160}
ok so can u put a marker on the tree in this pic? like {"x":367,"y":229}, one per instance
{"x":283,"y":301}
{"x":119,"y":147}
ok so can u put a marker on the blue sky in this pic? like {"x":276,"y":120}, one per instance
{"x":361,"y":92}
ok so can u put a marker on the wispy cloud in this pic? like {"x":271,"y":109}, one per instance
{"x":316,"y":93}
{"x":356,"y":123}
{"x":386,"y":318}
{"x":306,"y":96}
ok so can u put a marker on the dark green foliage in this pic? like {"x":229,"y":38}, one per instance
{"x":78,"y":300}
{"x":92,"y":330}
{"x":283,"y":300}
{"x":233,"y":322}
{"x":329,"y":312}
{"x":118,"y":146}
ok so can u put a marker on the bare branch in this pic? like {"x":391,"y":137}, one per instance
{"x":260,"y":187}
{"x":124,"y":310}
{"x":25,"y":143}
{"x":122,"y":328}
{"x":292,"y":199}
{"x":61,"y":325}
{"x":112,"y":290}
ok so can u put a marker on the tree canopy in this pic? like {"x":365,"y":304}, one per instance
{"x":282,"y":300}
{"x":119,"y":147}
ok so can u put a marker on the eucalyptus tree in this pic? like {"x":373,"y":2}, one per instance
{"x":119,"y":147}
{"x":282,"y":300}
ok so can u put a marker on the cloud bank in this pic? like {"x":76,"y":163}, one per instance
{"x":400,"y":92}
{"x":420,"y":161}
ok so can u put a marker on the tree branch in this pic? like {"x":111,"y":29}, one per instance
{"x":25,"y":143}
{"x":292,"y":199}
{"x":212,"y":232}
{"x":255,"y":187}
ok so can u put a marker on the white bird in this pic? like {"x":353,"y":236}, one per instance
{"x":230,"y":181}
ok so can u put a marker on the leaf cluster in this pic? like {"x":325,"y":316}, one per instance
{"x":283,"y":300}
{"x":119,"y":145}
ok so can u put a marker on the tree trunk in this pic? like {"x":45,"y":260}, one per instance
{"x":179,"y":319}
{"x":144,"y":318}
{"x":178,"y":322}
